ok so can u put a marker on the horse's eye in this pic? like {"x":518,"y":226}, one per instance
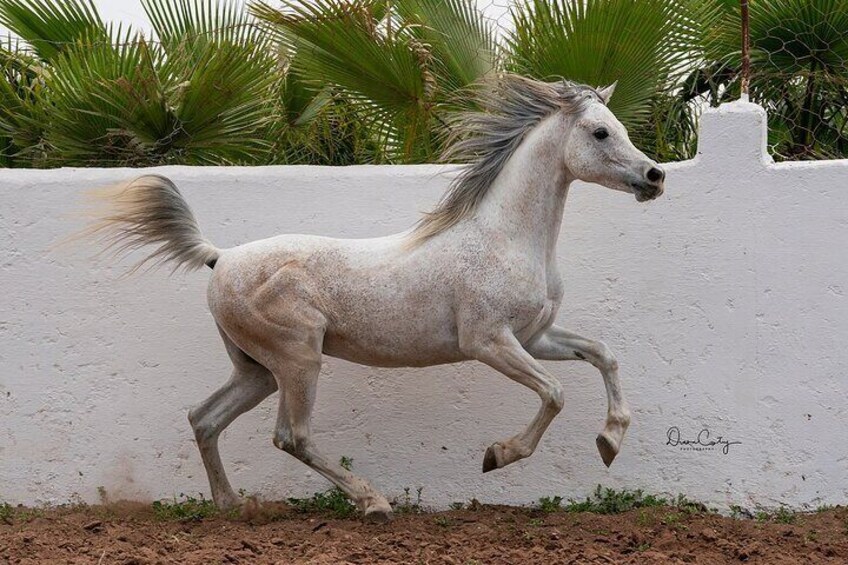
{"x":601,"y":133}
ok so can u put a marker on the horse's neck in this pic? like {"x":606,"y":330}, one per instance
{"x":525,"y":203}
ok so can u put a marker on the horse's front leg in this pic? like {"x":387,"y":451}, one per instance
{"x":504,"y":353}
{"x":558,"y":344}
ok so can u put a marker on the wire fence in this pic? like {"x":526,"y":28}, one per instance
{"x":221,"y":87}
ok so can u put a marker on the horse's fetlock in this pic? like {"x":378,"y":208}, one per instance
{"x":620,"y":418}
{"x":523,"y":451}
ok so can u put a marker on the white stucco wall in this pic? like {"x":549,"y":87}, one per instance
{"x":725,"y":302}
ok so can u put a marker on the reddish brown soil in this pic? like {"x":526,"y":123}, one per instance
{"x":130,"y":534}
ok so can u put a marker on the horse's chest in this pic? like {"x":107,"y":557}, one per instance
{"x":535,"y":310}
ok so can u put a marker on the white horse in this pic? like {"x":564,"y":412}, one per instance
{"x":475,"y":279}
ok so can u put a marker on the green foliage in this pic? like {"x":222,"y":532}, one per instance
{"x":398,"y":65}
{"x":443,"y":521}
{"x":550,"y":503}
{"x":185,"y":509}
{"x":373,"y":81}
{"x":52,"y":26}
{"x":211,"y":90}
{"x":799,"y":69}
{"x":687,"y":506}
{"x":781,"y":515}
{"x":584,"y":41}
{"x":610,"y":501}
{"x":7,"y":513}
{"x":784,"y":515}
{"x":332,"y":501}
{"x":409,"y":506}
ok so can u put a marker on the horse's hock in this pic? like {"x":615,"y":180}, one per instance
{"x":724,"y":302}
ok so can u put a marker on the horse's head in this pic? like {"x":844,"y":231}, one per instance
{"x":598,"y":149}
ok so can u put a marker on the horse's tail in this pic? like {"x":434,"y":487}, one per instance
{"x":150,"y":210}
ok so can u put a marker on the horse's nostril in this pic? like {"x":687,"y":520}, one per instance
{"x":655,"y":174}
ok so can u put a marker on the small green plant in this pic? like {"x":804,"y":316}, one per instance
{"x":185,"y":509}
{"x":442,"y":521}
{"x":346,"y":463}
{"x":550,"y":503}
{"x":610,"y":501}
{"x":737,"y":512}
{"x":674,"y":520}
{"x":761,"y":516}
{"x":407,"y":505}
{"x":457,"y":505}
{"x":784,"y":515}
{"x":474,"y":505}
{"x":535,"y":522}
{"x":7,"y":513}
{"x":688,"y":506}
{"x":644,"y":519}
{"x":333,"y":501}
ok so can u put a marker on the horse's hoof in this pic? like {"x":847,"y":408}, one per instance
{"x":606,"y":449}
{"x":378,"y":516}
{"x":490,"y":462}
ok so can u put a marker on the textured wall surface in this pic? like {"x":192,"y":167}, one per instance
{"x":724,"y":301}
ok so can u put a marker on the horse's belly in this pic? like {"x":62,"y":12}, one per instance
{"x":400,"y":347}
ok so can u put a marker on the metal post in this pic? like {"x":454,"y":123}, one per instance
{"x":746,"y":55}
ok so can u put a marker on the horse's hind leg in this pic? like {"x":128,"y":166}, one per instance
{"x":249,"y":385}
{"x":296,"y":369}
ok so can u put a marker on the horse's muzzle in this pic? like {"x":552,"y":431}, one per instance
{"x":644,"y":191}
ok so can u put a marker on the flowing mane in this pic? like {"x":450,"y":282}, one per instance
{"x":512,"y":106}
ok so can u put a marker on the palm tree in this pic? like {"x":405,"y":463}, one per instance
{"x":400,"y":64}
{"x":799,"y":69}
{"x":348,"y":81}
{"x":646,"y":46}
{"x":203,"y":93}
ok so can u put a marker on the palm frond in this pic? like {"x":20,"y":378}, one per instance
{"x":50,"y":26}
{"x":459,"y":38}
{"x":639,"y":43}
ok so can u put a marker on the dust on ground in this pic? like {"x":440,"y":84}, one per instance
{"x":129,"y":534}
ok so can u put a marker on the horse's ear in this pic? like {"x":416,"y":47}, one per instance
{"x":606,"y":93}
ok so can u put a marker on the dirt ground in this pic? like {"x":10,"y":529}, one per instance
{"x":131,"y":533}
